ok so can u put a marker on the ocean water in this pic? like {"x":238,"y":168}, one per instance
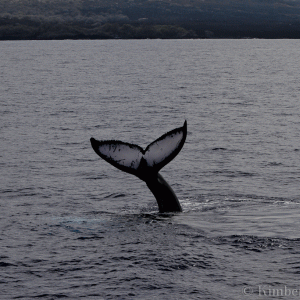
{"x":74,"y":227}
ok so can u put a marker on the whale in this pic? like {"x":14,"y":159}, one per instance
{"x":146,"y":163}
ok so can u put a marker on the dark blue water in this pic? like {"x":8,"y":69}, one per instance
{"x":74,"y":227}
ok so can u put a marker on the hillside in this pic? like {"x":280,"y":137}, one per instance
{"x":99,"y":19}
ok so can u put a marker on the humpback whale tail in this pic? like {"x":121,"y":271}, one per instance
{"x":145,"y":164}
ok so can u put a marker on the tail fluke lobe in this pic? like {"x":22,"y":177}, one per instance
{"x":164,"y":149}
{"x":133,"y":159}
{"x":123,"y":156}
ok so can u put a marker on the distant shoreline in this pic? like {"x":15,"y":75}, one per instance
{"x":148,"y":19}
{"x":23,"y":29}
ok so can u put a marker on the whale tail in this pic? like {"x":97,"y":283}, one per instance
{"x":145,"y":164}
{"x":135,"y":160}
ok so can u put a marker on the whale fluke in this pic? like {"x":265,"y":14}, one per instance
{"x":145,"y":164}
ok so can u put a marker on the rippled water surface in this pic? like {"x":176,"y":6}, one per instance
{"x":74,"y":227}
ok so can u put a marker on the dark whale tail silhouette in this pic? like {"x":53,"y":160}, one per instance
{"x":145,"y":164}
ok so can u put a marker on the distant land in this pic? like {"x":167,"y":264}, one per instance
{"x":142,"y":19}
